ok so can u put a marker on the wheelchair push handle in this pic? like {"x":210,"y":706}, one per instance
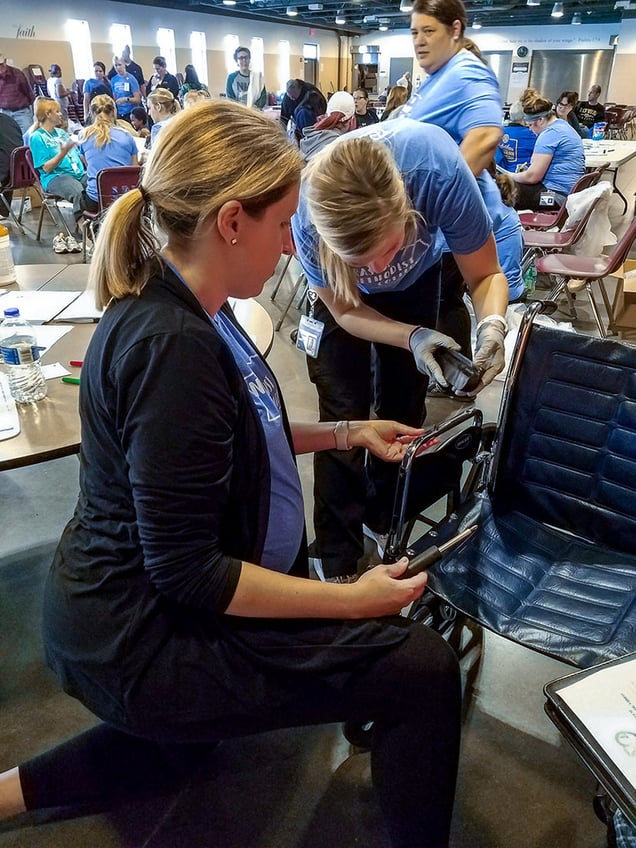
{"x":432,"y":554}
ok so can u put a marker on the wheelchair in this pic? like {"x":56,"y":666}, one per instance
{"x":539,"y":543}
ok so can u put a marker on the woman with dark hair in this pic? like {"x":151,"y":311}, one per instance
{"x":558,"y":160}
{"x":461,"y":95}
{"x":564,"y":108}
{"x":306,"y":115}
{"x":57,"y":90}
{"x":191,"y":83}
{"x":339,"y":118}
{"x":99,"y":84}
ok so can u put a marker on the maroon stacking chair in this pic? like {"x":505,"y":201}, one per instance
{"x":591,"y":269}
{"x":22,"y":176}
{"x":111,"y":184}
{"x":548,"y":220}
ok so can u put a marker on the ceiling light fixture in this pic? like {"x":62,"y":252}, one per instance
{"x":292,"y":11}
{"x":383,"y":27}
{"x":476,"y":24}
{"x":229,"y":2}
{"x":576,"y":18}
{"x":340,"y":17}
{"x":315,"y":7}
{"x":533,"y":2}
{"x":557,"y":10}
{"x":406,"y":6}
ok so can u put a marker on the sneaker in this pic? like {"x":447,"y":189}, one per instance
{"x":72,"y":246}
{"x":380,"y":539}
{"x":59,"y":243}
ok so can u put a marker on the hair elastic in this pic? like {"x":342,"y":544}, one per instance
{"x":144,"y":194}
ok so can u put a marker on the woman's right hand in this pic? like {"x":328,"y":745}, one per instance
{"x":380,"y":591}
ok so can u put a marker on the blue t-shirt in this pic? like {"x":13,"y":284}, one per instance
{"x":516,"y":147}
{"x":285,"y":521}
{"x":118,"y":151}
{"x":441,"y":189}
{"x":91,"y":84}
{"x":564,"y":144}
{"x":461,"y":96}
{"x":156,"y":129}
{"x":124,"y":85}
{"x":44,"y":146}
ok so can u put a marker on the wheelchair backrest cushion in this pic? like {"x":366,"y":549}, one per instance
{"x":568,"y":455}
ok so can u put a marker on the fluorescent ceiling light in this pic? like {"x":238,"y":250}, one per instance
{"x":229,"y":2}
{"x":315,"y":7}
{"x":383,"y":27}
{"x":576,"y":18}
{"x":476,"y":24}
{"x":406,"y":5}
{"x":292,"y":11}
{"x":533,"y":2}
{"x":557,"y":10}
{"x":340,"y":17}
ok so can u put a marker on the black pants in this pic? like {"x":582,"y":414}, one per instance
{"x":454,"y":318}
{"x":349,"y":489}
{"x":411,"y":690}
{"x":529,"y":197}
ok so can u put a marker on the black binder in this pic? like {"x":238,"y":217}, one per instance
{"x":609,"y":759}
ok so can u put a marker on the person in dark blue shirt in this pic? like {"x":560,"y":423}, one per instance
{"x":517,"y":142}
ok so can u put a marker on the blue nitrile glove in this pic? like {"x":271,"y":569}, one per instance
{"x":490,"y":354}
{"x":423,"y":343}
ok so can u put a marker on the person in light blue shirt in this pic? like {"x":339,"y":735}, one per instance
{"x":104,"y":145}
{"x":125,"y":88}
{"x":377,"y":208}
{"x":461,"y":95}
{"x":558,"y":160}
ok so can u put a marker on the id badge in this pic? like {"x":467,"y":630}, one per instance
{"x":547,"y":198}
{"x":309,"y":335}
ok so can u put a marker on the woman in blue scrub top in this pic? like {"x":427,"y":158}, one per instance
{"x":461,"y":95}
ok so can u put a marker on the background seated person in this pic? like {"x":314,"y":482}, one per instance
{"x":192,"y":98}
{"x":104,"y":145}
{"x":365,"y":115}
{"x":10,"y":138}
{"x":191,"y":83}
{"x":56,"y":158}
{"x":564,"y":108}
{"x":339,"y":119}
{"x":139,"y":122}
{"x":517,"y":142}
{"x":558,"y":160}
{"x":590,"y":111}
{"x":161,"y":107}
{"x":398,"y":95}
{"x":308,"y":112}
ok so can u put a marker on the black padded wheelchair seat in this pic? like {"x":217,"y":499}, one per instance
{"x":552,"y":564}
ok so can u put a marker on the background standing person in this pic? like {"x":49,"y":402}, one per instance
{"x":162,"y":78}
{"x":132,"y":68}
{"x":590,"y":111}
{"x":57,"y":90}
{"x":376,"y":206}
{"x":16,"y":95}
{"x":398,"y":96}
{"x":125,"y":87}
{"x":191,"y":83}
{"x":295,"y":92}
{"x":364,"y":114}
{"x":99,"y":84}
{"x":246,"y":86}
{"x":461,"y":95}
{"x":558,"y":160}
{"x":10,"y":138}
{"x":194,"y":548}
{"x":162,"y":106}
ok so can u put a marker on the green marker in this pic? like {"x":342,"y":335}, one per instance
{"x":74,"y":380}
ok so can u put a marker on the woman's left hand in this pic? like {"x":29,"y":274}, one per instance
{"x":388,"y":440}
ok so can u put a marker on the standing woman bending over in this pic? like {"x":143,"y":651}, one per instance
{"x":104,"y":145}
{"x":376,"y":209}
{"x":177,"y":607}
{"x":162,"y":106}
{"x":558,"y":160}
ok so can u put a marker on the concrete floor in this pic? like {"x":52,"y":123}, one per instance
{"x":519,"y":784}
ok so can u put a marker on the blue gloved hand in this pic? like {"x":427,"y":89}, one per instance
{"x":490,"y":354}
{"x":423,"y":343}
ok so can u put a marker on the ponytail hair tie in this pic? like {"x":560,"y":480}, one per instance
{"x":144,"y":194}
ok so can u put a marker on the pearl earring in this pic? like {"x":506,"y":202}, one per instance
{"x":233,"y":241}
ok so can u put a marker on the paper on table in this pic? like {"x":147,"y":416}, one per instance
{"x":605,"y":702}
{"x":47,"y":335}
{"x":37,"y":306}
{"x":81,"y":309}
{"x":9,"y":419}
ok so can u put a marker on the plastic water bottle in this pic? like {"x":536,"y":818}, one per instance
{"x":7,"y":268}
{"x":530,"y":280}
{"x":21,"y":357}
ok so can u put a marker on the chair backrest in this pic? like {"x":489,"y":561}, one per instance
{"x":568,"y":454}
{"x":590,"y":179}
{"x":113,"y":182}
{"x":22,"y":174}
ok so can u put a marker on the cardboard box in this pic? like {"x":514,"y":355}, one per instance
{"x":624,"y":306}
